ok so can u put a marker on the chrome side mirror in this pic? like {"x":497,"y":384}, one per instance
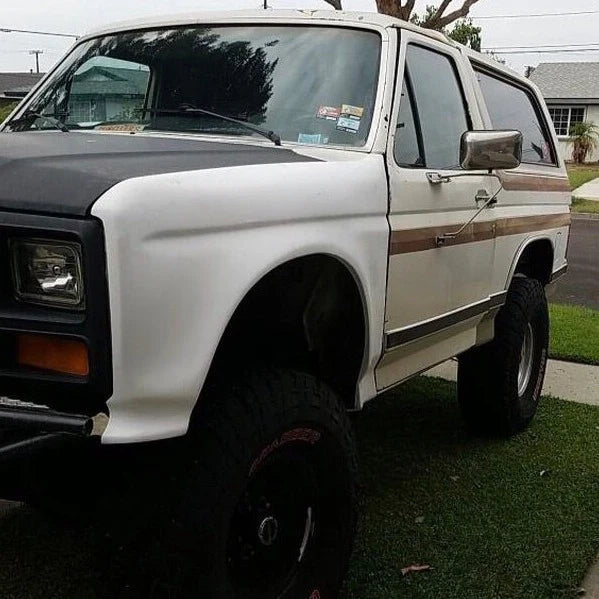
{"x":491,"y":150}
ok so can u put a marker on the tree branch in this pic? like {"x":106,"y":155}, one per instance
{"x":336,"y":4}
{"x":430,"y":23}
{"x":438,"y":21}
{"x":405,"y":11}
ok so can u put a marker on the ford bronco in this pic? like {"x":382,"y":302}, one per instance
{"x":222,"y":232}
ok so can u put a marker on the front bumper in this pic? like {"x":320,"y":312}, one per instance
{"x":27,"y":429}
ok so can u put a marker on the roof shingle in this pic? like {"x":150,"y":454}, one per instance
{"x":18,"y":82}
{"x":568,"y":80}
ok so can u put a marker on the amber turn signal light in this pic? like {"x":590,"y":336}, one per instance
{"x":67,"y":356}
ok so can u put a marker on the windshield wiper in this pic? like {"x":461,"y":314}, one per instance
{"x":29,"y":114}
{"x":191,"y":110}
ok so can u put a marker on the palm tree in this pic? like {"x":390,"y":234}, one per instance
{"x":584,"y":139}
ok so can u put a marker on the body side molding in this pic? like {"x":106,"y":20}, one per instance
{"x":394,"y":339}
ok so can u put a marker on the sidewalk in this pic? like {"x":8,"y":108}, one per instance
{"x":569,"y":381}
{"x":588,"y":191}
{"x":566,"y":380}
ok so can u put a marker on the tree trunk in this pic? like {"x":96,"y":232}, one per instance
{"x":403,"y":10}
{"x":389,"y":7}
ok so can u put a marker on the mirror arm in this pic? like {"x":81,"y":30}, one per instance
{"x":441,"y":240}
{"x":436,"y":178}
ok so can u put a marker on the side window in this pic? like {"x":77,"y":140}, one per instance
{"x":512,"y":107}
{"x":408,"y":147}
{"x":435,"y":98}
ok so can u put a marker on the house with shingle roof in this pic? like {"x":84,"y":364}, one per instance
{"x":102,"y":93}
{"x":15,"y":86}
{"x":571,"y":90}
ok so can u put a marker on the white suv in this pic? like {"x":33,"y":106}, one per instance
{"x":229,"y":229}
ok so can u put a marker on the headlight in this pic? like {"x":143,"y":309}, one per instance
{"x":47,"y":272}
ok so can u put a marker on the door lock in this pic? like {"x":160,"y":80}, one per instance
{"x":482,"y":195}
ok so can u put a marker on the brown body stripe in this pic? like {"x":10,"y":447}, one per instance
{"x":513,"y":182}
{"x":418,"y":240}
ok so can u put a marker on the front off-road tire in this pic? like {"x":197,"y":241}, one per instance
{"x":500,"y":383}
{"x":267,"y":506}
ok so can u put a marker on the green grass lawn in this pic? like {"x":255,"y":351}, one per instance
{"x":585,"y":206}
{"x":582,"y":174}
{"x":574,"y":334}
{"x":493,"y":526}
{"x":5,"y":111}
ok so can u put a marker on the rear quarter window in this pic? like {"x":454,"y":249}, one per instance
{"x":511,"y":106}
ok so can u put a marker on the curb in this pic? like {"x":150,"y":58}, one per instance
{"x":569,"y":381}
{"x":590,"y":584}
{"x":584,"y":216}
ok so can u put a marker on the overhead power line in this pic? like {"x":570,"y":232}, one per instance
{"x":9,"y":30}
{"x":544,"y":46}
{"x":539,"y":15}
{"x":543,"y":51}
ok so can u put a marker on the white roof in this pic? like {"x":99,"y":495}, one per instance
{"x":298,"y":16}
{"x":334,"y":17}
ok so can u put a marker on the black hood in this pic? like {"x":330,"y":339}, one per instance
{"x":65,"y":173}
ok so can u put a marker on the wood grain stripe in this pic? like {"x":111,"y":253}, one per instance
{"x":514,"y":182}
{"x":419,"y":240}
{"x":530,"y":224}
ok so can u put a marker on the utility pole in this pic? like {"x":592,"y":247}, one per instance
{"x":37,"y":58}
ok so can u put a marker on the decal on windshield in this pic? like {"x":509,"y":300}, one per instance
{"x":330,"y":113}
{"x":348,"y":125}
{"x":352,"y":111}
{"x":350,"y":118}
{"x":312,"y":138}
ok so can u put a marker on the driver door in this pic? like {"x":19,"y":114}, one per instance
{"x":436,"y":294}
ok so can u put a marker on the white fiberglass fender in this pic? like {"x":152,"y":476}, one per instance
{"x":183,"y":250}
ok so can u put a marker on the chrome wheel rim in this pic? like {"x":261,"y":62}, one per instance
{"x":526,"y":360}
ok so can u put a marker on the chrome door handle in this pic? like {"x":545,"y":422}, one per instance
{"x":482,"y":195}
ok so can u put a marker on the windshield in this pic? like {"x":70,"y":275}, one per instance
{"x":314,"y":85}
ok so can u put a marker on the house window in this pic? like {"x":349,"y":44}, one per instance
{"x":566,"y":116}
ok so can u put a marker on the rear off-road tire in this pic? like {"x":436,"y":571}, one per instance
{"x":500,"y":383}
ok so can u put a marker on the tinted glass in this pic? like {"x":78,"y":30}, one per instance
{"x":407,"y":146}
{"x":511,"y":107}
{"x":440,"y":104}
{"x":308,"y":84}
{"x":107,"y":90}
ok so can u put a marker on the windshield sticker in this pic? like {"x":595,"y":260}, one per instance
{"x":330,"y":113}
{"x":312,"y":138}
{"x":355,"y":111}
{"x":348,"y":124}
{"x":350,"y":118}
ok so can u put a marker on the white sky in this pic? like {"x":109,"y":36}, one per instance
{"x":79,"y":16}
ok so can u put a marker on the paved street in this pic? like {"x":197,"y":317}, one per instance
{"x":581,"y":285}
